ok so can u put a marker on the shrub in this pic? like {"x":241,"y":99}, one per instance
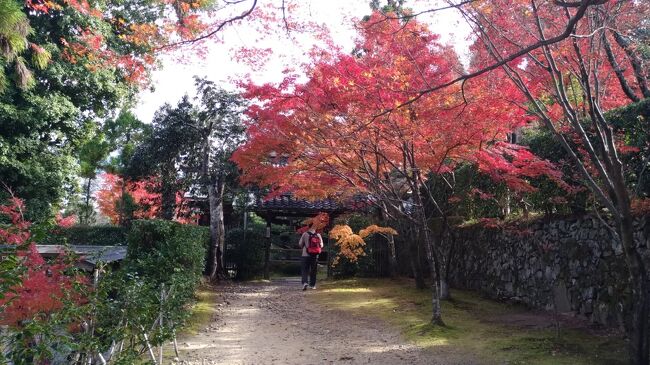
{"x":157,"y":280}
{"x":104,"y":235}
{"x":366,"y":265}
{"x":163,"y":259}
{"x":160,"y":249}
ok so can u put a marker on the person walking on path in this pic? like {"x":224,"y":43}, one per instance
{"x":311,"y":244}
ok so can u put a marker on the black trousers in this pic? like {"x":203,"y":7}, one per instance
{"x":308,"y":266}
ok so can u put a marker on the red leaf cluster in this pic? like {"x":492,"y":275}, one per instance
{"x":43,"y":284}
{"x":359,"y":118}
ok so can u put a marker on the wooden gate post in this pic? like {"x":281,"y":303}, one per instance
{"x":267,"y":251}
{"x":329,"y":254}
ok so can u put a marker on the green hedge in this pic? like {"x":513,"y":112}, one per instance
{"x":160,"y":249}
{"x":104,"y":235}
{"x":161,"y":255}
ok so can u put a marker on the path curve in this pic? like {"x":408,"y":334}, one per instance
{"x":276,"y":323}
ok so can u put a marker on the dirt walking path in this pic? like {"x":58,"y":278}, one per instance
{"x":276,"y":323}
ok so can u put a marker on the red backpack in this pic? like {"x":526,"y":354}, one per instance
{"x":313,"y":244}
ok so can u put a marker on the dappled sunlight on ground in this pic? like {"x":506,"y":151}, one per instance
{"x":388,"y":348}
{"x":371,"y":321}
{"x":278,"y":323}
{"x":347,"y":290}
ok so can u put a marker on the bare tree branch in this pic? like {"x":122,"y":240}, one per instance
{"x":629,"y":92}
{"x":214,"y":31}
{"x":577,"y":4}
{"x":566,"y":34}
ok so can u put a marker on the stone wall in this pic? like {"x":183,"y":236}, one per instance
{"x":571,"y":264}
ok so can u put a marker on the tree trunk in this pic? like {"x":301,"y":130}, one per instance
{"x":217,"y":231}
{"x":414,"y":259}
{"x":444,"y":286}
{"x":168,"y":194}
{"x":446,"y":243}
{"x":392,"y":258}
{"x":436,"y":315}
{"x":84,"y":218}
{"x":639,"y":335}
{"x":121,"y":217}
{"x":446,"y":271}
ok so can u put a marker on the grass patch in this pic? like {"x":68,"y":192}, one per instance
{"x":202,"y":311}
{"x":473,"y":324}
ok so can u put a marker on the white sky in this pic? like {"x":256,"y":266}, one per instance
{"x":175,"y":79}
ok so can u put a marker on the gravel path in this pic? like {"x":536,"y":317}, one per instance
{"x":276,"y":324}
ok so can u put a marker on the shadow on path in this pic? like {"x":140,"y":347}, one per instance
{"x":275,"y":323}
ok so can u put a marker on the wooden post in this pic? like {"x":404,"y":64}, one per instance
{"x":146,"y":341}
{"x":4,"y":347}
{"x":329,"y":254}
{"x":245,"y":224}
{"x":162,"y":299}
{"x":267,"y":252}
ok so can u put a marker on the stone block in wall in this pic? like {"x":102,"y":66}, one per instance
{"x":561,"y":298}
{"x":548,"y":273}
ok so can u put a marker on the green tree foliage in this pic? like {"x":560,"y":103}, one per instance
{"x":391,"y":6}
{"x":633,"y":123}
{"x":14,"y":30}
{"x":91,"y":155}
{"x":165,"y":152}
{"x":190,"y":149}
{"x":85,"y":61}
{"x":124,"y":133}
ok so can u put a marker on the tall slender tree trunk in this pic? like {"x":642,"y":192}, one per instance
{"x":436,"y":315}
{"x":639,"y":346}
{"x":85,"y":217}
{"x":121,"y":220}
{"x":392,"y":258}
{"x":216,"y":269}
{"x":446,"y":256}
{"x":168,"y":194}
{"x":416,"y":261}
{"x":414,"y":255}
{"x":444,"y":286}
{"x":446,"y":273}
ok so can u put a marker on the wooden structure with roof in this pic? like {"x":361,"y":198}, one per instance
{"x":281,"y":210}
{"x":287,"y":210}
{"x":89,"y":256}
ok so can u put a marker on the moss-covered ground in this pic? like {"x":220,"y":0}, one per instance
{"x":474,"y":324}
{"x":202,"y":311}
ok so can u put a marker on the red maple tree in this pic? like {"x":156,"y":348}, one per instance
{"x":332,"y":137}
{"x":147,"y":201}
{"x":43,"y":285}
